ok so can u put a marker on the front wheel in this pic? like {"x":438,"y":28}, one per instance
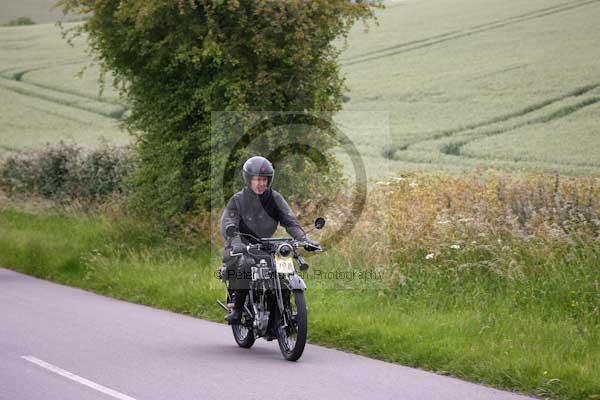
{"x":292,"y":330}
{"x":242,"y":331}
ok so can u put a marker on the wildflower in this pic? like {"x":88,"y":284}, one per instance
{"x":430,"y":256}
{"x":455,"y":246}
{"x":413,"y":184}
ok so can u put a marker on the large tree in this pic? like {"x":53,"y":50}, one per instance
{"x":180,"y":61}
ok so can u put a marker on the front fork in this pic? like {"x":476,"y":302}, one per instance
{"x":279,"y":295}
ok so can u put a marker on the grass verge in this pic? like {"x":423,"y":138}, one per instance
{"x":453,"y":315}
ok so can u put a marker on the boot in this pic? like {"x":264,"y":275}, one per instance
{"x":236,"y":314}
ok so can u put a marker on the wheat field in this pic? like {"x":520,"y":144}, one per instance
{"x":480,"y":83}
{"x":42,"y":98}
{"x":433,"y":86}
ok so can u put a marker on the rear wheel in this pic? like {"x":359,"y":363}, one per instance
{"x":292,"y":329}
{"x":242,"y":331}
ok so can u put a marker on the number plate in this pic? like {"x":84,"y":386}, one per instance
{"x":285,"y":265}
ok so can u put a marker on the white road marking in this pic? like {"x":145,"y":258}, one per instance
{"x":76,"y":378}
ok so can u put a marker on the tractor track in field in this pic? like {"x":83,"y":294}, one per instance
{"x":580,"y":91}
{"x":59,"y":115}
{"x":454,"y":148}
{"x":7,"y":148}
{"x":454,"y":35}
{"x":55,"y":97}
{"x":401,"y":45}
{"x":415,"y":157}
{"x":12,"y":79}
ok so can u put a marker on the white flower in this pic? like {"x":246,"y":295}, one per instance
{"x":413,"y":184}
{"x":455,"y":246}
{"x":430,"y":256}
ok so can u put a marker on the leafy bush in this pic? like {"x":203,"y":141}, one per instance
{"x":20,"y":21}
{"x":65,"y":172}
{"x":178,"y":62}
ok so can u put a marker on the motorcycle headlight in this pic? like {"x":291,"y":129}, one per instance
{"x":284,"y":250}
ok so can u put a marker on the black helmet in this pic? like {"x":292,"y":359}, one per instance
{"x":258,"y":166}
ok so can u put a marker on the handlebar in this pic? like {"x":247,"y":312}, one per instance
{"x":267,"y":245}
{"x":247,"y":250}
{"x":296,"y":243}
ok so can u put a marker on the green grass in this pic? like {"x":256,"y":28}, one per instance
{"x":535,"y":331}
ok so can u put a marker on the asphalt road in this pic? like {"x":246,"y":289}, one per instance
{"x":60,"y":343}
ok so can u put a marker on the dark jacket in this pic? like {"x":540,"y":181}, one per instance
{"x":259,"y":215}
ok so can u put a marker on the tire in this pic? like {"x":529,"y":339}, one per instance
{"x":243,"y":335}
{"x":297,"y":329}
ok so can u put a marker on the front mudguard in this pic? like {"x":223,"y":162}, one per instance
{"x":296,"y":282}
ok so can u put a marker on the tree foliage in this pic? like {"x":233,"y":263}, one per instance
{"x":179,"y":62}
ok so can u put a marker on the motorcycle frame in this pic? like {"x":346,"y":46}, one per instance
{"x":275,"y":284}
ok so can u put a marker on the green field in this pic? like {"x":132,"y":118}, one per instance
{"x":436,"y":85}
{"x":511,"y":84}
{"x":42,"y":98}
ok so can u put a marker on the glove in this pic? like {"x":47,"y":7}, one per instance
{"x":237,"y":246}
{"x":311,"y":245}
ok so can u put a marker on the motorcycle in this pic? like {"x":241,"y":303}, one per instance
{"x":275,"y":307}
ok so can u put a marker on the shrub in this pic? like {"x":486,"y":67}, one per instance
{"x":66,"y":172}
{"x":20,"y":21}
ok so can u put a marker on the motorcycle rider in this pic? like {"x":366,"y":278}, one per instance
{"x":256,"y":210}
